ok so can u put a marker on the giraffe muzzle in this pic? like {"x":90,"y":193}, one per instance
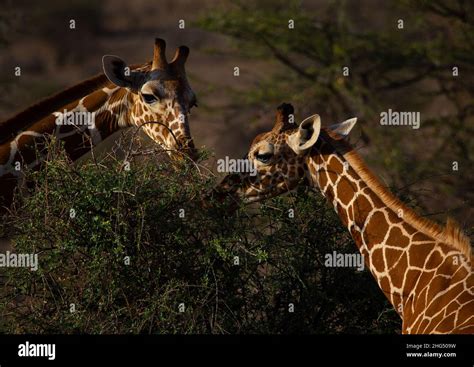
{"x":189,"y":149}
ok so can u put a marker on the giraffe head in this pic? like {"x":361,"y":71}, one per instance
{"x":160,"y":97}
{"x":280,"y":157}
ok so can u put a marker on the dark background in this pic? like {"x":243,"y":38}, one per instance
{"x":407,"y":69}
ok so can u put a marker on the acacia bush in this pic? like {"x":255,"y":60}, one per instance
{"x":136,"y":251}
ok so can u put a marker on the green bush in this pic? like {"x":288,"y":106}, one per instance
{"x":173,"y":261}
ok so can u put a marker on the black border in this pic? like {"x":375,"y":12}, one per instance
{"x":297,"y":350}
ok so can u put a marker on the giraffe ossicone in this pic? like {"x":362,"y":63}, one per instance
{"x":424,"y":269}
{"x":155,"y":97}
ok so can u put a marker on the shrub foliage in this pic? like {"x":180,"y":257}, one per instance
{"x":136,"y":251}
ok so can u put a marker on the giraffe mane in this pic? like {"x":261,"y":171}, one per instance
{"x":48,"y":105}
{"x":449,"y":234}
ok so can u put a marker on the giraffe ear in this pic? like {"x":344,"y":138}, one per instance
{"x":306,"y":136}
{"x":344,"y":128}
{"x":117,"y":71}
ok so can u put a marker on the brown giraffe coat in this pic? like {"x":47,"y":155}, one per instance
{"x":424,"y":270}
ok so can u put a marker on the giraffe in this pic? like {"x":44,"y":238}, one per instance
{"x":425,"y":270}
{"x":155,"y":96}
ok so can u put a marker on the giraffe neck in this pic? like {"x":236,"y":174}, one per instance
{"x":428,"y":280}
{"x":80,"y":124}
{"x":95,"y":117}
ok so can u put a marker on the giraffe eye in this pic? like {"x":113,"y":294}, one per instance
{"x":149,"y":98}
{"x":264,"y":157}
